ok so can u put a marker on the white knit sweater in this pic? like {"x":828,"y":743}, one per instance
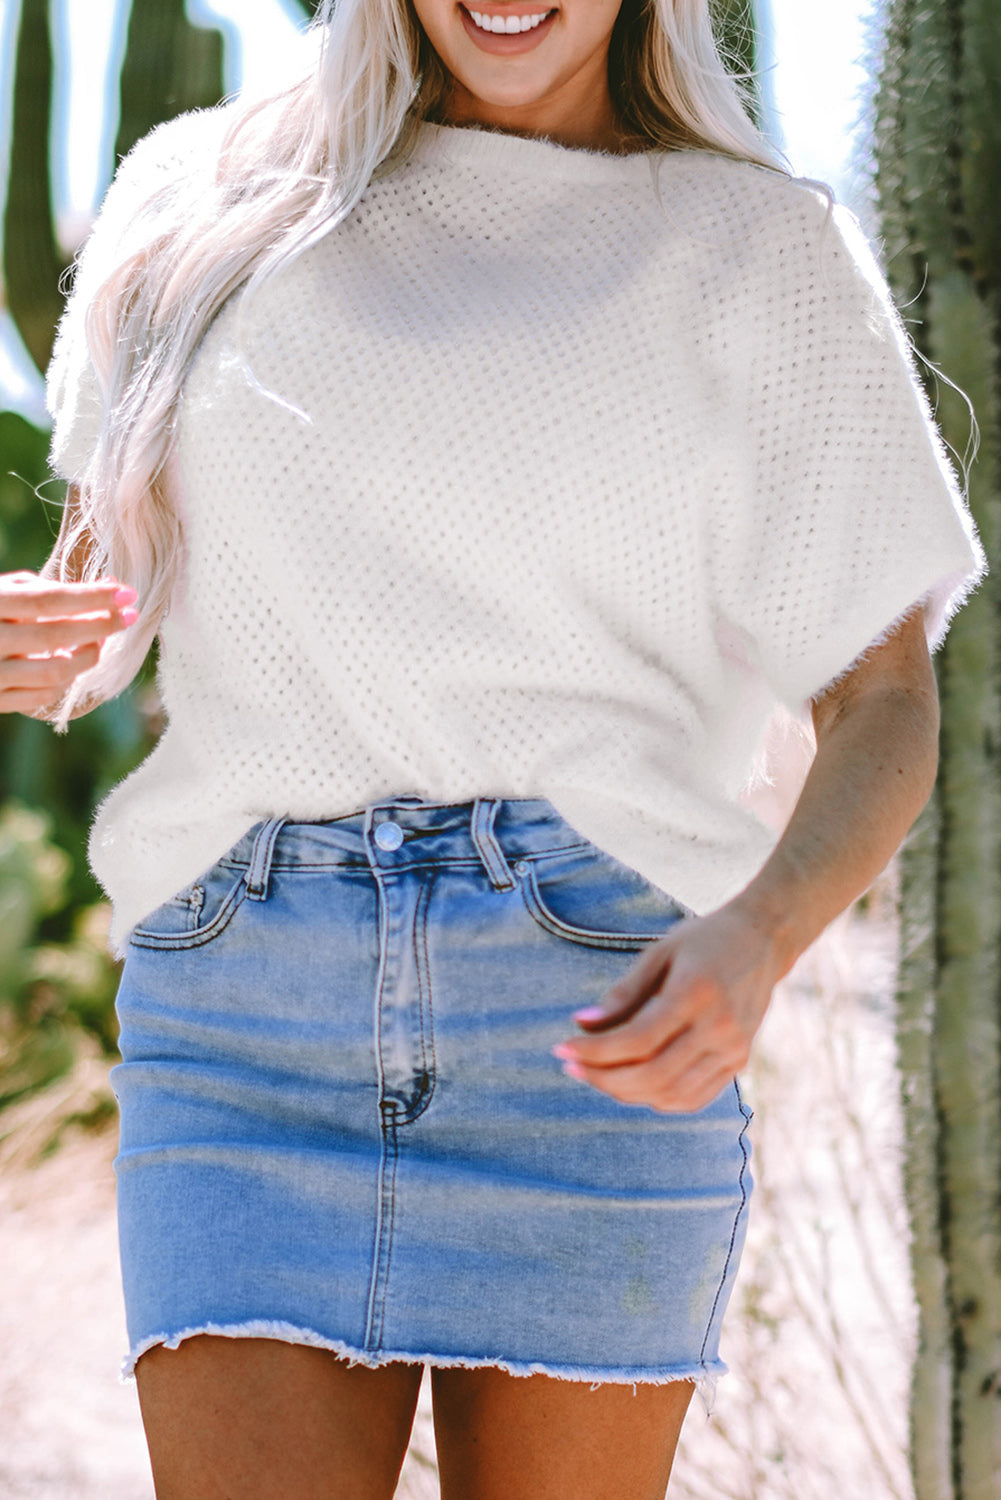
{"x":561,"y":487}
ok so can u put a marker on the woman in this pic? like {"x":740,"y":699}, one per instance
{"x":496,"y":437}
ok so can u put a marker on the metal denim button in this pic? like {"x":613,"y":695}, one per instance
{"x":389,"y":836}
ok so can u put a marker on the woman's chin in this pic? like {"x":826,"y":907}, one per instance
{"x":479,"y":98}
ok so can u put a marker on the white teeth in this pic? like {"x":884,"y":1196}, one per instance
{"x":508,"y":24}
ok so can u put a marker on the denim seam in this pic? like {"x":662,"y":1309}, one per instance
{"x":193,"y":937}
{"x":385,"y":1117}
{"x":586,"y":937}
{"x":554,"y":853}
{"x":382,"y":1249}
{"x":428,"y":1058}
{"x":746,"y":1114}
{"x":361,"y":867}
{"x":196,"y":900}
{"x":488,"y":847}
{"x":261,"y":858}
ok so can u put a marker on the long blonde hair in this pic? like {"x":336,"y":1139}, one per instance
{"x":288,"y":170}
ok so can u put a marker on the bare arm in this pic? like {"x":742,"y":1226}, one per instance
{"x":681,"y":1023}
{"x":50,"y":632}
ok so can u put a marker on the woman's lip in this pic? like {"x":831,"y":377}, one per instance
{"x":501,"y":42}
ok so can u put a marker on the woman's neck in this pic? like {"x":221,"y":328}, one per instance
{"x":587,"y":122}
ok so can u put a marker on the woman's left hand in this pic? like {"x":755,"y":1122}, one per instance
{"x":676,"y":1029}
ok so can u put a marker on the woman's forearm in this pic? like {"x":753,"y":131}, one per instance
{"x":872,"y":774}
{"x":681,"y":1022}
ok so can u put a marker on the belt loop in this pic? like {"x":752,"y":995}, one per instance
{"x":487,"y":847}
{"x":260,"y":859}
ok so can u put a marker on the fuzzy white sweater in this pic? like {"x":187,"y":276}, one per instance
{"x":547,"y":473}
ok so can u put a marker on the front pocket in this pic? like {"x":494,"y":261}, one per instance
{"x":196,"y":915}
{"x":591,"y":899}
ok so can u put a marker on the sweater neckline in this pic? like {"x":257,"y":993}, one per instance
{"x":529,"y":156}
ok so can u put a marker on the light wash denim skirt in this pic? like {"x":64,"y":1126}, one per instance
{"x":341,"y":1123}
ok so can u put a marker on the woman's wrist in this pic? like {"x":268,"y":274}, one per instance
{"x":779,"y":919}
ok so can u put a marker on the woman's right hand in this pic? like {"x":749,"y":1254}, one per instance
{"x":50,"y":632}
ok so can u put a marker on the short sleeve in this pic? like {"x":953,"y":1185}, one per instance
{"x":845,"y":511}
{"x":73,"y":390}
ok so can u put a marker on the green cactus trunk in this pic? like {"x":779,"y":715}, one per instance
{"x":32,"y":260}
{"x":743,"y":28}
{"x":938,"y":143}
{"x":169,"y":66}
{"x":736,"y":26}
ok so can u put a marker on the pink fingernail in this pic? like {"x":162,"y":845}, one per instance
{"x":564,"y":1052}
{"x":574,"y":1070}
{"x":128,"y":616}
{"x":590,"y":1013}
{"x":125,"y":595}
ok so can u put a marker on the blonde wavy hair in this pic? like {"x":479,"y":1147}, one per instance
{"x":288,"y":169}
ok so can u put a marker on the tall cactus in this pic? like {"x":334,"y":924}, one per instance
{"x":736,"y":24}
{"x":938,"y":143}
{"x":32,"y":260}
{"x":169,"y":65}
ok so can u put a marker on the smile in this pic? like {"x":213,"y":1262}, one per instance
{"x":505,"y":30}
{"x":508,"y":24}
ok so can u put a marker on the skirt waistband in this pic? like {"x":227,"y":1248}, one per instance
{"x":406,"y":831}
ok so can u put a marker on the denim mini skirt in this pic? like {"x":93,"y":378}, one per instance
{"x":341,"y":1123}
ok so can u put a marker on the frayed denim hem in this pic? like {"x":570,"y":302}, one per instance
{"x":705,"y":1376}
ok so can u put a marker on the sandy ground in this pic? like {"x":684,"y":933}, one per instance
{"x":820,"y":1330}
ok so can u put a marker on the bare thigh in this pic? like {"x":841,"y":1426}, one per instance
{"x":505,"y":1437}
{"x":258,"y":1419}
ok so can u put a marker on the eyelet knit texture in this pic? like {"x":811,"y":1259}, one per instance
{"x":546,"y":473}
